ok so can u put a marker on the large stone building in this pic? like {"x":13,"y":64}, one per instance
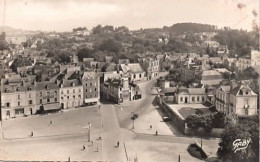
{"x":71,"y":94}
{"x":236,"y":99}
{"x":91,"y":88}
{"x":118,"y":89}
{"x":151,"y":66}
{"x":18,"y":98}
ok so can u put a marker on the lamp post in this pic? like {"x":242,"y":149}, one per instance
{"x":133,"y":118}
{"x":89,"y":125}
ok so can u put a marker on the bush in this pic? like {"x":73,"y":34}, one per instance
{"x":195,"y":151}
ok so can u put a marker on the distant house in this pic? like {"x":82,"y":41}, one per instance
{"x":243,"y":63}
{"x":215,"y":60}
{"x":151,"y":66}
{"x":213,"y":44}
{"x":211,"y":77}
{"x":135,"y":71}
{"x":81,"y":31}
{"x":255,"y":58}
{"x":191,"y":95}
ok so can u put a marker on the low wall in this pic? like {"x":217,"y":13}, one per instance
{"x":176,"y":119}
{"x":215,"y":132}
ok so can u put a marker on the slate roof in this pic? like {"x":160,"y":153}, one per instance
{"x":210,"y":72}
{"x":133,"y":68}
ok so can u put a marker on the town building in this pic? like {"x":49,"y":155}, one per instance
{"x":135,"y":72}
{"x":211,"y":77}
{"x":18,"y":98}
{"x":71,"y":94}
{"x":119,"y":90}
{"x":151,"y":66}
{"x":243,"y":63}
{"x":236,"y":99}
{"x":47,"y":97}
{"x":91,"y":88}
{"x":191,"y":95}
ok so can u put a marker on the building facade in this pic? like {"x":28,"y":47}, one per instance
{"x":91,"y":88}
{"x":71,"y":94}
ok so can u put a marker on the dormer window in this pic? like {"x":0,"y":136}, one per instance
{"x":29,"y":88}
{"x":18,"y":89}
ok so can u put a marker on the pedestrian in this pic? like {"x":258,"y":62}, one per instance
{"x":97,"y":149}
{"x":84,"y":147}
{"x":69,"y":159}
{"x":151,"y":126}
{"x":91,"y":143}
{"x":117,"y":143}
{"x":32,"y":133}
{"x":50,"y":122}
{"x":156,"y":133}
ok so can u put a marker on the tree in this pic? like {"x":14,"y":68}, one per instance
{"x":84,"y":53}
{"x":3,"y":45}
{"x":110,"y":45}
{"x":97,"y":29}
{"x":226,"y":149}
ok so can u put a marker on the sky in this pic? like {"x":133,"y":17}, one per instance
{"x":64,"y":15}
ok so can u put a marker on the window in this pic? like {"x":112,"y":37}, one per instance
{"x":61,"y":98}
{"x":68,"y":91}
{"x":246,"y":101}
{"x":40,"y":101}
{"x":95,"y":95}
{"x":7,"y":104}
{"x":86,"y":96}
{"x":48,"y":100}
{"x":48,"y":93}
{"x":140,"y":75}
{"x":134,"y":75}
{"x":18,"y":103}
{"x":30,"y":102}
{"x":68,"y":97}
{"x":18,"y":97}
{"x":61,"y":91}
{"x":73,"y":90}
{"x":198,"y":98}
{"x":55,"y":92}
{"x":95,"y":89}
{"x":203,"y":98}
{"x":246,"y":112}
{"x":55,"y":99}
{"x":86,"y":84}
{"x":19,"y":111}
{"x":74,"y":97}
{"x":246,"y":92}
{"x":79,"y":96}
{"x":181,"y":99}
{"x":90,"y":84}
{"x":86,"y":90}
{"x":79,"y":90}
{"x":40,"y":94}
{"x":193,"y":98}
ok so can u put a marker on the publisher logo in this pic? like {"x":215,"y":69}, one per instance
{"x":241,"y":144}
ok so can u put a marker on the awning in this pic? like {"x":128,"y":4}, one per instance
{"x":53,"y":106}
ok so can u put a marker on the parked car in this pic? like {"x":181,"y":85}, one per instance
{"x":165,"y":119}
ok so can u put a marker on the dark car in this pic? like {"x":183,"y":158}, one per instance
{"x":165,"y":119}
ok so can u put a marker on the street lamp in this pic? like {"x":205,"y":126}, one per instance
{"x":89,"y":125}
{"x":133,"y":118}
